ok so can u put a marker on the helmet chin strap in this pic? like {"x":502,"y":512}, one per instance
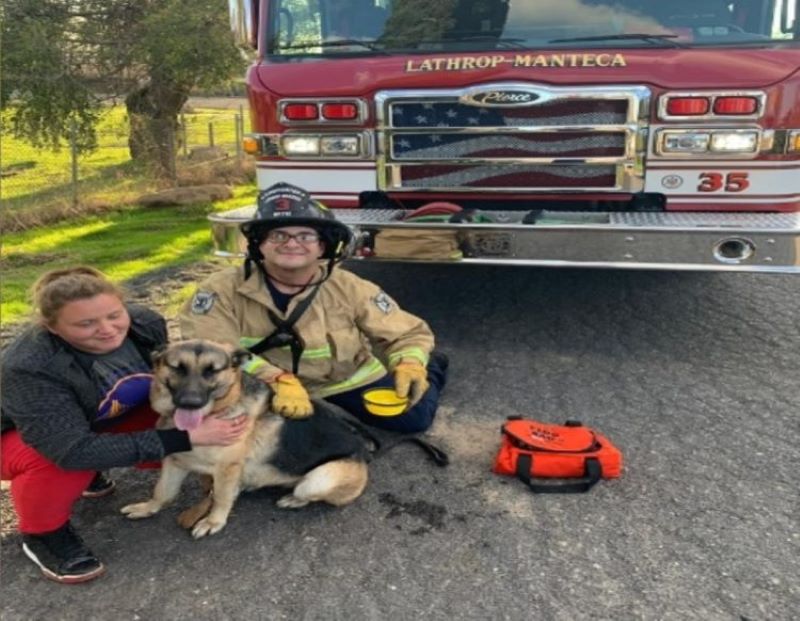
{"x":266,"y":275}
{"x":284,"y":333}
{"x":253,"y":256}
{"x":274,"y":278}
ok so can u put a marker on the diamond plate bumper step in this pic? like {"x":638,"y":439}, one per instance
{"x":705,"y":241}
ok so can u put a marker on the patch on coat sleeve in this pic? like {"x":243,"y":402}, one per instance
{"x":202,"y":302}
{"x":383,"y":302}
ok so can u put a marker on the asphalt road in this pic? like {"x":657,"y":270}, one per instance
{"x":694,"y":376}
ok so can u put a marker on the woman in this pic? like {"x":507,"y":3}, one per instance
{"x":74,"y":402}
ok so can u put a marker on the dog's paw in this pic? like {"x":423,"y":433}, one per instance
{"x":290,"y":501}
{"x":207,"y":526}
{"x":140,"y":510}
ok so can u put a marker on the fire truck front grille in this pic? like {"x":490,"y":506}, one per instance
{"x":571,"y":139}
{"x":434,"y":114}
{"x":438,"y":146}
{"x":499,"y":176}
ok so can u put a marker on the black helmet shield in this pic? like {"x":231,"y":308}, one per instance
{"x":287,"y":205}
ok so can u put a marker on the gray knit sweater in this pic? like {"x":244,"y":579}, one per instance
{"x":51,"y":399}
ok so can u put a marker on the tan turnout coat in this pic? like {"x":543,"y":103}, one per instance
{"x":347,"y":316}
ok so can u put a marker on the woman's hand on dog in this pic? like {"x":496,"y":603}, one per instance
{"x":216,"y":431}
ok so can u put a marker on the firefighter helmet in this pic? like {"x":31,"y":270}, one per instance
{"x":284,"y":204}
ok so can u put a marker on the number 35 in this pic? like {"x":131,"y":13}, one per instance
{"x":732,"y":182}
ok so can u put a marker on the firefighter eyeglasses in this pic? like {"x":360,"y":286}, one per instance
{"x":282,"y":237}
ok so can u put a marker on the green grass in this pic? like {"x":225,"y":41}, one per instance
{"x":124,"y":244}
{"x":224,"y":130}
{"x":53,"y":167}
{"x":106,"y":176}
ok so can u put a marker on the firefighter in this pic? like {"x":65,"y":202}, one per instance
{"x":311,"y":327}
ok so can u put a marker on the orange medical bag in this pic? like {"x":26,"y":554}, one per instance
{"x":534,"y":450}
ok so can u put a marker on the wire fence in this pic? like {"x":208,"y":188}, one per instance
{"x":37,"y":185}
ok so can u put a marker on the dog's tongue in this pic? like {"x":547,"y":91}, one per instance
{"x":188,"y":419}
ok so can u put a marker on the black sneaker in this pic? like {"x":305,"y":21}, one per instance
{"x":99,"y":487}
{"x":62,"y":556}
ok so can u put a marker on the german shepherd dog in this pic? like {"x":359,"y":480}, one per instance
{"x":321,"y":457}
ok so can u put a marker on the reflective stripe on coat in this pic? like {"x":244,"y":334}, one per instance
{"x":347,"y":315}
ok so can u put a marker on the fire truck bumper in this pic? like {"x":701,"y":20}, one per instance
{"x":703,"y":241}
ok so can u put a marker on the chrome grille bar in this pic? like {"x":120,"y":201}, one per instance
{"x":490,"y":148}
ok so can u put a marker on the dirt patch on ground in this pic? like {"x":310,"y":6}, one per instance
{"x":431,"y":515}
{"x":158,"y":289}
{"x":8,"y":521}
{"x":186,"y":195}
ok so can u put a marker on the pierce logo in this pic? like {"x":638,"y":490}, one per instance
{"x":504,"y":98}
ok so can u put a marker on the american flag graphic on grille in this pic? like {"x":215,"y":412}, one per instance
{"x":422,"y":132}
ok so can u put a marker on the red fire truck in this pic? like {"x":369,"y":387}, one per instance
{"x":600,"y":133}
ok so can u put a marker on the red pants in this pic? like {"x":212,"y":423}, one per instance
{"x":42,"y":492}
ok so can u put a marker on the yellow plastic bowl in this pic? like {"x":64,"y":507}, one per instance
{"x":384,"y":402}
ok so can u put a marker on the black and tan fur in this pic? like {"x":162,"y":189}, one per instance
{"x":320,"y":457}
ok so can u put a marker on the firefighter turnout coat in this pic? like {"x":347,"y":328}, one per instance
{"x":348,"y":316}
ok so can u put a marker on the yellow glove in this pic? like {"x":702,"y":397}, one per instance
{"x":291,"y":399}
{"x":410,"y":380}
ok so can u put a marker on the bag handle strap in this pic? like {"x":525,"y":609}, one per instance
{"x":592,"y":476}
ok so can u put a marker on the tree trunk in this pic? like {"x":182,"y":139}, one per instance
{"x":153,"y":112}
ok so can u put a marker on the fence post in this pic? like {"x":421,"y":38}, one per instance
{"x":211,"y":134}
{"x":183,"y":135}
{"x":73,"y":150}
{"x":238,"y":127}
{"x":173,"y":153}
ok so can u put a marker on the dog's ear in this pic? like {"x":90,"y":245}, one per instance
{"x":158,"y":353}
{"x":239,"y":357}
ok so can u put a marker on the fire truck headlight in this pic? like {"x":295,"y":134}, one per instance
{"x":793,"y":141}
{"x":340,"y":145}
{"x":734,"y":142}
{"x":684,"y":142}
{"x":300,"y":145}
